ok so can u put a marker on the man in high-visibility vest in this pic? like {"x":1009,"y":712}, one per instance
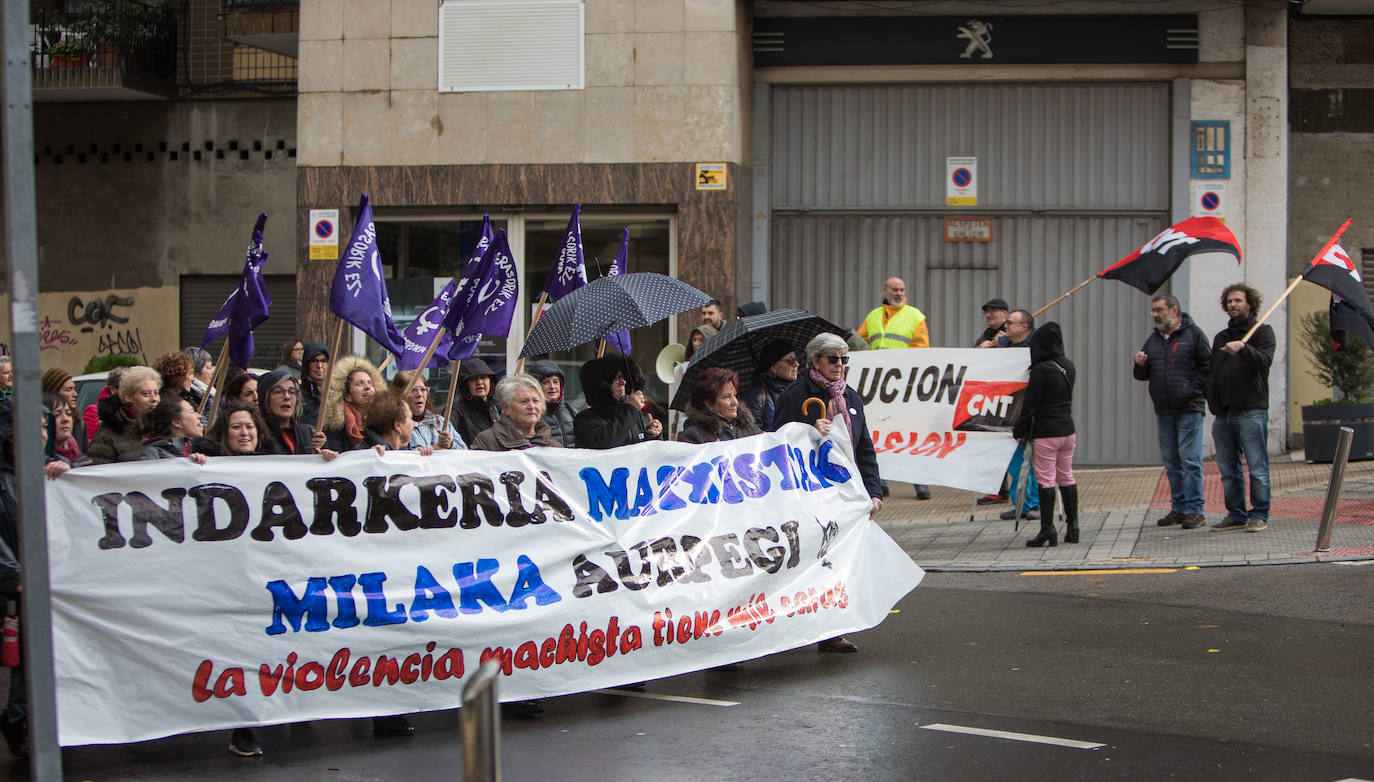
{"x":896,"y":324}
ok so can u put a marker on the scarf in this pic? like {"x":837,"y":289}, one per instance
{"x":68,"y":449}
{"x":353,"y":424}
{"x":835,"y":388}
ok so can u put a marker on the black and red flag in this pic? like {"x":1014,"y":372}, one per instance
{"x":1351,"y":312}
{"x":1151,"y":266}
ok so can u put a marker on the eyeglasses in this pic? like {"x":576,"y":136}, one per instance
{"x":289,"y":393}
{"x":790,"y":360}
{"x":834,"y":359}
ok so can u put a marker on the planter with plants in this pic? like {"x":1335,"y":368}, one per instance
{"x":69,"y":53}
{"x":1350,"y":373}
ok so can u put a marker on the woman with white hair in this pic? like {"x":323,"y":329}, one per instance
{"x":521,"y":424}
{"x":827,"y":357}
{"x":120,"y":438}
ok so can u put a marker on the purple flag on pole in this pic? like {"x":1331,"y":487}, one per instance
{"x":246,"y":306}
{"x":569,"y":272}
{"x":358,"y":294}
{"x":420,"y":333}
{"x":621,"y":339}
{"x":489,"y":293}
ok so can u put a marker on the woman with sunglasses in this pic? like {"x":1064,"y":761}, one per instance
{"x":827,"y":356}
{"x":778,"y":366}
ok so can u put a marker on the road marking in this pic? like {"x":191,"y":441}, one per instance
{"x":1121,"y":572}
{"x":1003,"y":734}
{"x":675,"y":698}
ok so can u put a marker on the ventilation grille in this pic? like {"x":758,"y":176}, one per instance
{"x":491,"y":45}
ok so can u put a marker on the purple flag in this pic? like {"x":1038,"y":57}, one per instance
{"x":489,"y":292}
{"x":621,"y":340}
{"x":569,"y":272}
{"x":246,"y":306}
{"x":420,"y":333}
{"x":358,"y":294}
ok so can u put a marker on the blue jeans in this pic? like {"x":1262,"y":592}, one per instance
{"x":1180,"y":445}
{"x":1243,"y":432}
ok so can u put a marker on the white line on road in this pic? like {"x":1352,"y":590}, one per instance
{"x":1003,"y":734}
{"x":675,"y":698}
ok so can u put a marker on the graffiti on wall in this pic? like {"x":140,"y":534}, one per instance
{"x":74,"y":328}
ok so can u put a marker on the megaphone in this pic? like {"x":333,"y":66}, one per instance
{"x":667,"y":361}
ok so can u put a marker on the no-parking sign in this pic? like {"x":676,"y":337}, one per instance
{"x":324,"y":234}
{"x":961,"y":181}
{"x":1209,"y":199}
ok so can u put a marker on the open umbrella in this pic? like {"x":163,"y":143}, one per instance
{"x":609,"y":305}
{"x":739,"y":345}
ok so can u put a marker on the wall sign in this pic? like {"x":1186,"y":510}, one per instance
{"x":968,"y":229}
{"x":324,"y":234}
{"x":1211,"y":153}
{"x":961,"y":181}
{"x":1209,"y":199}
{"x":710,"y":176}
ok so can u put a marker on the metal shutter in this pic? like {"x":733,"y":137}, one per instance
{"x":202,"y":295}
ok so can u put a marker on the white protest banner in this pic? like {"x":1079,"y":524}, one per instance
{"x":261,"y":590}
{"x":942,"y":415}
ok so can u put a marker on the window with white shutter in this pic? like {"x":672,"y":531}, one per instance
{"x":491,"y":45}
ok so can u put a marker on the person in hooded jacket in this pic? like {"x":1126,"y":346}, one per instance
{"x":778,"y":367}
{"x":352,"y":384}
{"x":609,"y":421}
{"x":174,"y":431}
{"x":714,"y":412}
{"x":280,"y":405}
{"x":1046,"y":419}
{"x":313,"y":379}
{"x":119,"y":438}
{"x":558,"y":412}
{"x":475,"y":410}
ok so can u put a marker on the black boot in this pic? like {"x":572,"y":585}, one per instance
{"x":1070,"y":495}
{"x":1047,"y":534}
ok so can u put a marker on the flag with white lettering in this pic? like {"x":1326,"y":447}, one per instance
{"x":419,"y":335}
{"x":1151,"y":266}
{"x":569,"y":271}
{"x":1351,"y":312}
{"x":358,"y":294}
{"x":246,"y":308}
{"x":487,"y":298}
{"x":621,"y":339}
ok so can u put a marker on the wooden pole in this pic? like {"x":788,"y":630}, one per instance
{"x":538,"y":313}
{"x":1064,"y":295}
{"x":1271,"y":309}
{"x":424,"y":362}
{"x":386,"y":362}
{"x":328,"y":371}
{"x":220,"y":368}
{"x":452,"y":391}
{"x":219,"y":396}
{"x":601,"y":349}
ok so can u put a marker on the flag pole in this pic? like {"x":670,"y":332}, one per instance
{"x":328,"y":372}
{"x":219,"y":395}
{"x":1064,"y":295}
{"x":424,"y":362}
{"x":452,"y":390}
{"x":220,"y":368}
{"x":601,"y":349}
{"x":386,"y":362}
{"x":1329,"y":244}
{"x":538,"y":313}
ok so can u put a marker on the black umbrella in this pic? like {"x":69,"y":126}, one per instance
{"x":609,"y":305}
{"x":739,"y":346}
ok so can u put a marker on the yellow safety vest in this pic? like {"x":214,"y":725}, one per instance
{"x":898,"y":331}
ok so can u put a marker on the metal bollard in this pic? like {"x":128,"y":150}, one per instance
{"x":1333,"y":489}
{"x":481,"y":725}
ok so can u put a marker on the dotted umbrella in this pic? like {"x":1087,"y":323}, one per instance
{"x":609,"y":305}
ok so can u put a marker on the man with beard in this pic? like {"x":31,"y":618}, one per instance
{"x":1175,"y":360}
{"x":1238,"y":395}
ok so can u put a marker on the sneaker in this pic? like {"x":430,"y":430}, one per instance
{"x":992,"y":499}
{"x":1229,"y":524}
{"x":1193,"y":520}
{"x":1007,"y":515}
{"x":1171,"y":518}
{"x":1256,"y":525}
{"x":922,"y":492}
{"x":244,"y":744}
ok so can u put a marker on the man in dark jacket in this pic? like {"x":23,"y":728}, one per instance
{"x":610,"y":421}
{"x":314,"y":368}
{"x":558,"y":412}
{"x":1175,"y":359}
{"x":1238,"y":395}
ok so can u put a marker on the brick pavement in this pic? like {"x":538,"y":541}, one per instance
{"x":1118,"y":509}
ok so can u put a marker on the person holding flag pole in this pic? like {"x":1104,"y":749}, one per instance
{"x":244,"y":310}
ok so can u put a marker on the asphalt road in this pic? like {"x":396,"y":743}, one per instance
{"x":1218,"y":673}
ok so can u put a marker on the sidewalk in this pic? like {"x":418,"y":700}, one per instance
{"x":1117,"y":514}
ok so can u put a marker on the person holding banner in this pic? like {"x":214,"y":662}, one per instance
{"x":475,"y":411}
{"x":287,"y":432}
{"x":1046,"y":419}
{"x":430,"y":429}
{"x":521,"y":424}
{"x":714,"y":412}
{"x":610,"y":419}
{"x":120,"y":436}
{"x":175,"y":431}
{"x":352,"y":385}
{"x":238,"y":430}
{"x":389,"y":426}
{"x":1238,"y":395}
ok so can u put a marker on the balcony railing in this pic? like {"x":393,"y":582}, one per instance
{"x":118,"y":49}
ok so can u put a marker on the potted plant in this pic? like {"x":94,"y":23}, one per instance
{"x":69,"y":53}
{"x":1350,"y":373}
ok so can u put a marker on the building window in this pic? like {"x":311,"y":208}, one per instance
{"x":494,"y":45}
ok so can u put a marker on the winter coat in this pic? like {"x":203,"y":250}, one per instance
{"x":91,"y":416}
{"x":333,"y":424}
{"x":301,"y":429}
{"x":1241,"y":382}
{"x":179,"y":447}
{"x":707,"y":426}
{"x":789,"y":409}
{"x":1045,"y":408}
{"x":472,"y":416}
{"x":609,"y":422}
{"x":427,"y":429}
{"x":1177,"y":367}
{"x":118,"y":438}
{"x":762,"y":398}
{"x":558,"y":415}
{"x":505,"y":436}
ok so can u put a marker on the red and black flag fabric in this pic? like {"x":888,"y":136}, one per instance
{"x":1351,"y":312}
{"x":1151,"y":266}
